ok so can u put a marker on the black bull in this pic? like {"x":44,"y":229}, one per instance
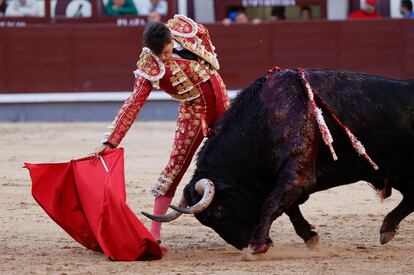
{"x":267,"y":155}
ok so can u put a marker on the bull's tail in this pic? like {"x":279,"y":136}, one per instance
{"x":316,"y":101}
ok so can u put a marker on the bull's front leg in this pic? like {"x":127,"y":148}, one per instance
{"x":287,"y":190}
{"x":272,"y":208}
{"x":302,"y":226}
{"x":294,"y":160}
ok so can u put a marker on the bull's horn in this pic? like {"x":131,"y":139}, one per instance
{"x":170,"y":216}
{"x":203,"y":187}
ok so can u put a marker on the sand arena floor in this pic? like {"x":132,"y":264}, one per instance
{"x":347,"y":218}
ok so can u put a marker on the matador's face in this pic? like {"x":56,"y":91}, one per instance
{"x":166,"y":54}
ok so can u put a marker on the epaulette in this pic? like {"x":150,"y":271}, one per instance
{"x":201,"y":29}
{"x":182,"y":26}
{"x":149,"y":66}
{"x":192,"y":36}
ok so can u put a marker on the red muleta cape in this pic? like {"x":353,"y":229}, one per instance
{"x":89,"y":203}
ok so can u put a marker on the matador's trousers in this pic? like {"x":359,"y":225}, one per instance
{"x":196,"y":118}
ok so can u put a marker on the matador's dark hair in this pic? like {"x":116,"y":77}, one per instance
{"x":156,"y":36}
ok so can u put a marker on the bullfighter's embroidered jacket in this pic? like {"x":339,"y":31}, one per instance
{"x":180,"y":78}
{"x":185,"y":80}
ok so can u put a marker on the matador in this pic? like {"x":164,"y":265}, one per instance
{"x":178,"y":58}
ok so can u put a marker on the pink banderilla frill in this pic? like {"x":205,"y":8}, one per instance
{"x":323,"y":128}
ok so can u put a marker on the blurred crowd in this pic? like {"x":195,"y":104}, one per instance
{"x":154,"y":10}
{"x":239,"y":15}
{"x":29,"y":8}
{"x":305,"y":13}
{"x":151,"y":8}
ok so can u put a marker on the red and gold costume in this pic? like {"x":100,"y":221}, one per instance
{"x":196,"y":84}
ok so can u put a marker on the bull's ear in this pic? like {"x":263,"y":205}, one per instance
{"x":222,"y":186}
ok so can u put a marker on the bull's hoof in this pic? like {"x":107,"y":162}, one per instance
{"x":259,"y":248}
{"x":387,"y":236}
{"x":313,"y":242}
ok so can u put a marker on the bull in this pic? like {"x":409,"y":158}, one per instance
{"x":267,"y":154}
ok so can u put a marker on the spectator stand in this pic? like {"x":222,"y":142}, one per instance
{"x":383,"y":7}
{"x":85,"y":11}
{"x":263,"y":9}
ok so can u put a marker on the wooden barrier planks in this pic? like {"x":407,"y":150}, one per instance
{"x":101,"y":57}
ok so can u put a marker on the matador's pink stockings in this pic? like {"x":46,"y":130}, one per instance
{"x":160,"y":208}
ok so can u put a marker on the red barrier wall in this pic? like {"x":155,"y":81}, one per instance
{"x":100,"y":57}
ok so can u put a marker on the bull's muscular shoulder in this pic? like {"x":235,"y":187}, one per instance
{"x":284,"y":93}
{"x":149,"y":66}
{"x":285,"y":76}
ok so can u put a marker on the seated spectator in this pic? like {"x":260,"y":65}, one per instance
{"x":159,"y":6}
{"x":23,"y":8}
{"x":305,"y":13}
{"x":146,"y":6}
{"x":227,"y":21}
{"x":368,"y":11}
{"x":406,"y":8}
{"x":231,"y":15}
{"x":240,"y":17}
{"x":154,"y":16}
{"x":278,"y":13}
{"x":74,"y":8}
{"x":120,"y":7}
{"x":3,"y":7}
